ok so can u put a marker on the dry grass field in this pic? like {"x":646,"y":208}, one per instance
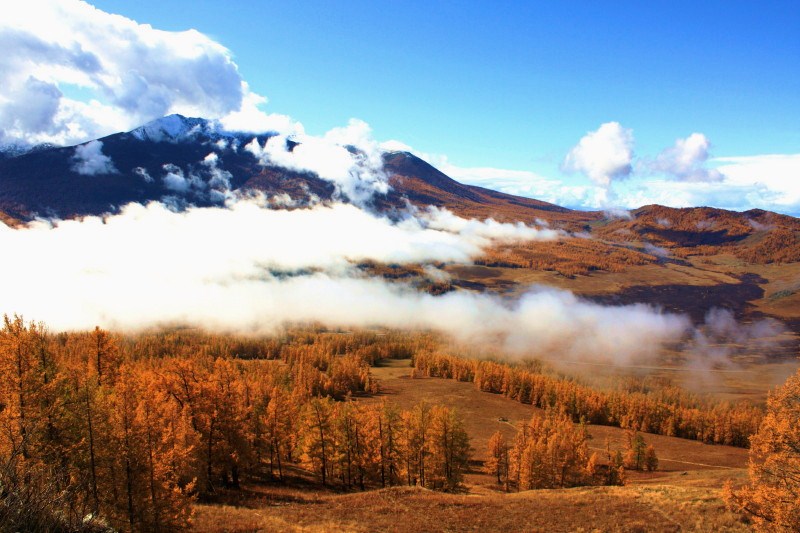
{"x":646,"y":508}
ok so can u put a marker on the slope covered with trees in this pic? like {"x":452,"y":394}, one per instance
{"x":97,"y":430}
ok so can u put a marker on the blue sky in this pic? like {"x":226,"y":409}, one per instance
{"x":516,"y":86}
{"x":516,"y":83}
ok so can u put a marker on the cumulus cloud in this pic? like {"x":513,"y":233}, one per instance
{"x":150,"y":266}
{"x":90,"y":160}
{"x":30,"y":108}
{"x":686,"y":160}
{"x":603,"y":155}
{"x":252,"y":119}
{"x":134,"y":73}
{"x":348,"y":157}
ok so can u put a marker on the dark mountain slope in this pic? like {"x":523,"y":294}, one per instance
{"x":46,"y":182}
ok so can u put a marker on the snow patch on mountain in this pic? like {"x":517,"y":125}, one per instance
{"x":173,"y":128}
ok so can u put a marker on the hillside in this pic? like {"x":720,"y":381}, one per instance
{"x":46,"y":181}
{"x":294,"y":431}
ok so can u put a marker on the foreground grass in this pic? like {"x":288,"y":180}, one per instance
{"x":655,"y":508}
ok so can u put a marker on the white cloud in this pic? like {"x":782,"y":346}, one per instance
{"x":685,"y":160}
{"x":250,"y":118}
{"x":257,"y":238}
{"x":489,"y":229}
{"x":357,"y":174}
{"x":135,"y":73}
{"x":694,"y":194}
{"x":90,"y":160}
{"x":528,"y":184}
{"x":774,"y":177}
{"x":196,"y":183}
{"x":30,"y":106}
{"x":175,"y":180}
{"x":769,"y":182}
{"x":394,"y":145}
{"x":150,"y":266}
{"x":219,"y":179}
{"x":142,"y":173}
{"x":603,"y":155}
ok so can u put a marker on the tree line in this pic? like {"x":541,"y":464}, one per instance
{"x":666,"y":411}
{"x":102,"y":430}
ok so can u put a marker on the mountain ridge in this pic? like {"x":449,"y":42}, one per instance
{"x":43,"y":181}
{"x":656,"y":254}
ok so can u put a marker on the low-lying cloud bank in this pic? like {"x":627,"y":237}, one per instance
{"x":248,"y":268}
{"x":244,"y":239}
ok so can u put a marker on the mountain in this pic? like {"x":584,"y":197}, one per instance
{"x":171,"y":158}
{"x":688,"y":260}
{"x":56,"y":181}
{"x":51,"y":182}
{"x":196,"y":161}
{"x":423,"y":184}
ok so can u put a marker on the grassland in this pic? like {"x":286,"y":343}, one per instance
{"x":656,"y":508}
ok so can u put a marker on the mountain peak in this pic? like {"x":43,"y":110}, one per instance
{"x":171,"y":128}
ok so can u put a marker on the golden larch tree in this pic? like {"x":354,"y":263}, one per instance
{"x":772,"y":498}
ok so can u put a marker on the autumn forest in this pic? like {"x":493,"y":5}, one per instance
{"x":127,"y":431}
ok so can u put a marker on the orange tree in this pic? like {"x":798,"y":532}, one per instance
{"x":772,"y":498}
